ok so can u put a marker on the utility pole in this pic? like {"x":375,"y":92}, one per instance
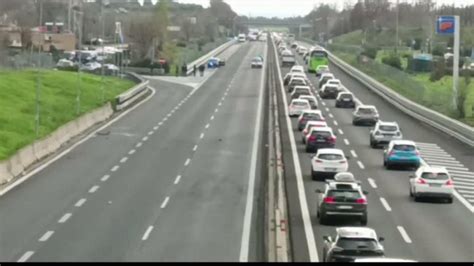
{"x":78,"y":89}
{"x":69,"y":16}
{"x":38,"y":76}
{"x":397,"y":41}
{"x":103,"y":53}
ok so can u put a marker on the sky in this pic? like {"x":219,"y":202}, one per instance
{"x":289,"y":8}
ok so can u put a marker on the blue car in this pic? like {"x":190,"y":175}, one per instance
{"x":401,"y":152}
{"x":215,"y":62}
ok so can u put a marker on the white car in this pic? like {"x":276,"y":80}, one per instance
{"x":291,"y":75}
{"x":335,"y":82}
{"x":64,"y":63}
{"x":324,"y":78}
{"x":298,"y":106}
{"x":431,"y":181}
{"x":312,"y":101}
{"x":297,"y":69}
{"x":296,"y":81}
{"x":91,"y":66}
{"x":321,"y":69}
{"x":302,"y":50}
{"x":309,"y":126}
{"x":300,"y":90}
{"x":328,"y":162}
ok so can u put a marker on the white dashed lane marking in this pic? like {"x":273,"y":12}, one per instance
{"x":147,"y":233}
{"x":165,"y":202}
{"x":123,"y":160}
{"x":187,"y":162}
{"x":93,"y":189}
{"x":404,"y":234}
{"x":361,"y":165}
{"x":115,"y":168}
{"x":46,"y":236}
{"x":202,"y":136}
{"x":65,"y":218}
{"x":335,"y":122}
{"x":178,"y":178}
{"x":26,"y":256}
{"x":80,"y":202}
{"x":139,"y":144}
{"x":207,"y":126}
{"x":145,"y":138}
{"x":385,"y":204}
{"x":195,"y":147}
{"x":212,"y":117}
{"x":331,"y":116}
{"x":340,"y":131}
{"x":346,"y":141}
{"x":155,"y":127}
{"x":131,"y":152}
{"x":105,"y":178}
{"x":372,"y":182}
{"x":354,"y":154}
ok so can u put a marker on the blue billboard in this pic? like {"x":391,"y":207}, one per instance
{"x":445,"y":25}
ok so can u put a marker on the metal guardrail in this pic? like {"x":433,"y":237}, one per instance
{"x":204,"y":58}
{"x":448,"y":125}
{"x":125,"y":99}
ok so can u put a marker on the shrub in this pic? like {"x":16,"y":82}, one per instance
{"x":393,"y":60}
{"x":370,"y":51}
{"x":438,"y":50}
{"x":417,"y":45}
{"x":438,"y":71}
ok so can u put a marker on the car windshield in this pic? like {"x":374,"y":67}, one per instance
{"x":346,"y":96}
{"x":298,"y":82}
{"x":357,"y":243}
{"x":300,"y":103}
{"x":388,"y":128}
{"x":330,"y":157}
{"x":321,"y":133}
{"x":257,"y":59}
{"x":434,"y":176}
{"x":403,"y":147}
{"x":311,"y":116}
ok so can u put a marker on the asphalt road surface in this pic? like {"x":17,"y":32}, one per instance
{"x":170,"y":181}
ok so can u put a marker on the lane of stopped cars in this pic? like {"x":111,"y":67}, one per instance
{"x":344,"y":192}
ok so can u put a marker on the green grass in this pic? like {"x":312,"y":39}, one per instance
{"x":58,"y":103}
{"x":434,"y":95}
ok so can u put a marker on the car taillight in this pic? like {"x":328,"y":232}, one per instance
{"x":449,"y":183}
{"x":391,"y":153}
{"x":421,"y":181}
{"x":312,"y":138}
{"x":329,"y":200}
{"x":302,"y":120}
{"x":361,"y":201}
{"x":318,"y":161}
{"x":417,"y":152}
{"x":332,"y":139}
{"x":342,"y":162}
{"x":305,"y":132}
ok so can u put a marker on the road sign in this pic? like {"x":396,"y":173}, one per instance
{"x":445,"y":25}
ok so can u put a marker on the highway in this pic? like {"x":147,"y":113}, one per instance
{"x":422,"y":231}
{"x":176,"y":179}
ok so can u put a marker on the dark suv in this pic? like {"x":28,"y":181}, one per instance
{"x":342,"y":199}
{"x":345,"y":99}
{"x":329,"y":91}
{"x":321,"y":137}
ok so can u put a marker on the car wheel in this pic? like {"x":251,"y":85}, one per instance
{"x":411,"y":192}
{"x":388,"y":165}
{"x":450,"y":200}
{"x":322,"y":219}
{"x":308,"y":149}
{"x":314,"y":176}
{"x":372,"y":144}
{"x":363,"y":221}
{"x":354,"y":123}
{"x":416,"y":198}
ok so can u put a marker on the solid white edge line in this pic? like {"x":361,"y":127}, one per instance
{"x":92,"y":134}
{"x":165,"y":202}
{"x":26,"y":256}
{"x":456,"y":194}
{"x":46,"y":236}
{"x":385,"y":204}
{"x":404,"y":234}
{"x":372,"y":182}
{"x":308,"y":228}
{"x":247,"y":221}
{"x":178,"y":178}
{"x":147,"y":233}
{"x":65,"y":218}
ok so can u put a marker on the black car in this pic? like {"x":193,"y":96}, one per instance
{"x":320,"y":138}
{"x":345,"y":99}
{"x":329,"y":92}
{"x":342,"y":199}
{"x":352,"y":243}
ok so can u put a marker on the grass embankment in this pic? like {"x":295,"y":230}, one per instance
{"x":57,"y":98}
{"x":417,"y":87}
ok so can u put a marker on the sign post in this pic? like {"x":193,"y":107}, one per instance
{"x":449,"y":25}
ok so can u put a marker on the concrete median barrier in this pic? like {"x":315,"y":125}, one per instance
{"x":40,"y":149}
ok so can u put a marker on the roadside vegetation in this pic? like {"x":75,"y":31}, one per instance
{"x":57,"y":103}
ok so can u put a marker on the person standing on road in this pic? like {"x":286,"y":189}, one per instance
{"x":194,"y":70}
{"x":201,"y":69}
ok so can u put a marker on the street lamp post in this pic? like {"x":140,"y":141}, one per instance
{"x":38,"y":78}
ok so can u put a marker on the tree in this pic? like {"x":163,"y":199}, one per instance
{"x":357,"y":16}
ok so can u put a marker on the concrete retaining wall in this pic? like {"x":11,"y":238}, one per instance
{"x":27,"y":156}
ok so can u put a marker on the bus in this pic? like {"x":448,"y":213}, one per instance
{"x":317,"y":57}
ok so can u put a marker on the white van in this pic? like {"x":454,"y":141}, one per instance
{"x":242,"y":37}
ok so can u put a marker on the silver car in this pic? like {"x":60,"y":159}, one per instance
{"x":384,"y":132}
{"x":365,"y":114}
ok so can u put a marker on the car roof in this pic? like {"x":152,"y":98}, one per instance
{"x":403,"y":142}
{"x":321,"y":129}
{"x":356,"y":232}
{"x":312,"y":111}
{"x":297,"y":78}
{"x":301,"y":87}
{"x":345,"y":92}
{"x":312,"y":122}
{"x":386,"y":123}
{"x":327,"y":75}
{"x":329,"y":85}
{"x":307,"y":97}
{"x":330,"y":151}
{"x":433,"y":169}
{"x":334,"y":80}
{"x":366,"y":106}
{"x":299,"y":100}
{"x":322,"y":66}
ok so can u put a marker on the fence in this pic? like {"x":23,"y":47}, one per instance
{"x":25,"y":59}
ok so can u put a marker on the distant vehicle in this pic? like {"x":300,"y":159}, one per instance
{"x":257,"y":62}
{"x":329,"y":91}
{"x":431,"y":181}
{"x":309,"y":115}
{"x":300,"y":90}
{"x":241,"y":37}
{"x":64,"y":63}
{"x":384,"y":132}
{"x":91,"y":67}
{"x":309,"y":126}
{"x":301,"y":50}
{"x":365,"y":114}
{"x":324,"y":78}
{"x":335,"y":82}
{"x":317,"y":57}
{"x":287,"y":59}
{"x":328,"y":162}
{"x":345,"y":99}
{"x":401,"y":152}
{"x":351,"y":243}
{"x":290,"y":75}
{"x":342,"y":197}
{"x":320,"y":138}
{"x":321,"y":69}
{"x":296,"y":81}
{"x":291,"y":38}
{"x":312,"y":101}
{"x":297,"y":107}
{"x":215,"y":62}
